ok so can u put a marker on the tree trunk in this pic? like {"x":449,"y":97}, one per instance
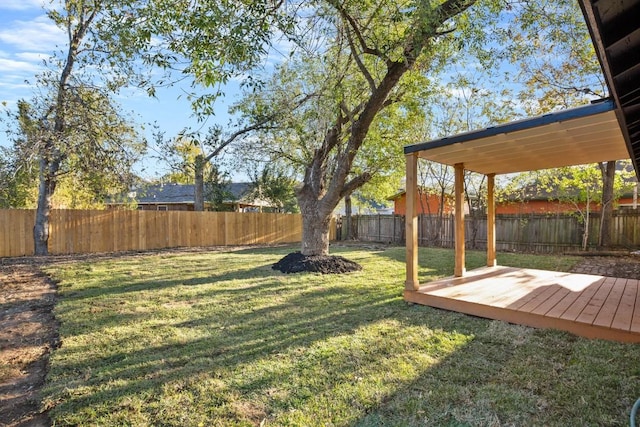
{"x":608,"y":177}
{"x":198,"y":204}
{"x":315,"y":227}
{"x":46,"y":189}
{"x":585,"y":235}
{"x":348,"y":223}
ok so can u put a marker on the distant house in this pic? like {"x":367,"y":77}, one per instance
{"x":543,"y":205}
{"x":534,"y":201}
{"x":533,"y":198}
{"x":363,"y":206}
{"x":429,"y":203}
{"x":181,"y":197}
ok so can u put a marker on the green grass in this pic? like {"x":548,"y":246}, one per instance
{"x":220,"y":339}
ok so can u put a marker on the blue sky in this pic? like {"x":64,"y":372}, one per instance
{"x":27,"y":37}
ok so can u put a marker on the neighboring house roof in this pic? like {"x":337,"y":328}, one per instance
{"x":164,"y":193}
{"x":615,"y":32}
{"x":185,"y":194}
{"x":424,"y":190}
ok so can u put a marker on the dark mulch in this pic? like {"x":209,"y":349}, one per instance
{"x":326,"y":264}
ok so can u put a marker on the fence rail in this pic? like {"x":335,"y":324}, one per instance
{"x":91,"y":231}
{"x":526,"y":233}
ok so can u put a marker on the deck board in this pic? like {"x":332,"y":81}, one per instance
{"x":548,"y":305}
{"x":586,"y":305}
{"x":624,"y":314}
{"x":635,"y":323}
{"x":596,"y":303}
{"x":610,"y":307}
{"x":576,"y":308}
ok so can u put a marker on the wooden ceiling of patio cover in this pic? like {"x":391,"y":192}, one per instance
{"x":576,"y":136}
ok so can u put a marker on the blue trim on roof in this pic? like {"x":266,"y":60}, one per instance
{"x":601,"y":106}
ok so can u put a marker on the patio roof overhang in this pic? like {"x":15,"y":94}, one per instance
{"x":615,"y":32}
{"x":582,"y":135}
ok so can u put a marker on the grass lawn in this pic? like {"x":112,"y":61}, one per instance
{"x":221,"y":339}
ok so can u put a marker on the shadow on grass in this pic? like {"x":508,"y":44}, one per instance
{"x":515,"y":375}
{"x":226,"y":339}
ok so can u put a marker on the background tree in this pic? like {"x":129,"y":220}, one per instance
{"x":191,"y":164}
{"x":18,"y":179}
{"x":73,"y":123}
{"x":567,"y":75}
{"x":435,"y":179}
{"x":216,"y":188}
{"x":580,"y":186}
{"x":472,"y":99}
{"x":272,"y":184}
{"x":193,"y":157}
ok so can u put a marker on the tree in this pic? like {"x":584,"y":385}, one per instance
{"x":370,"y":56}
{"x":72,"y":124}
{"x":190,"y":164}
{"x":192,"y":156}
{"x":66,"y":126}
{"x":568,"y":73}
{"x":216,"y":188}
{"x":435,"y":179}
{"x":579,"y":185}
{"x":607,"y":172}
{"x":274,"y":185}
{"x":17,"y":180}
{"x":205,"y":43}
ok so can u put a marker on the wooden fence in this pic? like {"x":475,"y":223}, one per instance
{"x":91,"y":231}
{"x":524,"y":233}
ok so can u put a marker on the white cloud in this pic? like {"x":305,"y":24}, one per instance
{"x":21,"y":4}
{"x":32,"y":56}
{"x":11,"y":65}
{"x":37,"y":35}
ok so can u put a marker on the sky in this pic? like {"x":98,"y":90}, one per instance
{"x":27,"y":37}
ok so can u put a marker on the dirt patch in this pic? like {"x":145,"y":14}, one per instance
{"x":326,"y":264}
{"x":28,"y":334}
{"x":621,"y":266}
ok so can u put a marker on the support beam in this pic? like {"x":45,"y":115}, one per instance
{"x":459,"y":269}
{"x":491,"y":221}
{"x":411,"y":223}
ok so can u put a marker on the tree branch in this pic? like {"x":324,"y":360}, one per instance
{"x":365,"y":72}
{"x":356,"y":29}
{"x":355,"y":183}
{"x":259,"y":125}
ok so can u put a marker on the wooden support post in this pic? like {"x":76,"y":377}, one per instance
{"x":411,"y":223}
{"x":459,"y":268}
{"x":491,"y":221}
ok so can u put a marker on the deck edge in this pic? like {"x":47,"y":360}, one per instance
{"x":521,"y":318}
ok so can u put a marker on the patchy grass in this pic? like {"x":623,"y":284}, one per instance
{"x":222,"y":339}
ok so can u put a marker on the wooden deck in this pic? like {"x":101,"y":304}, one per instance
{"x":586,"y":305}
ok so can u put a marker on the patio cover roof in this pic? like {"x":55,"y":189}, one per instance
{"x":615,"y":31}
{"x":586,"y":134}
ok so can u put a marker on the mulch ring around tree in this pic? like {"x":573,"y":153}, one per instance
{"x":326,"y":264}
